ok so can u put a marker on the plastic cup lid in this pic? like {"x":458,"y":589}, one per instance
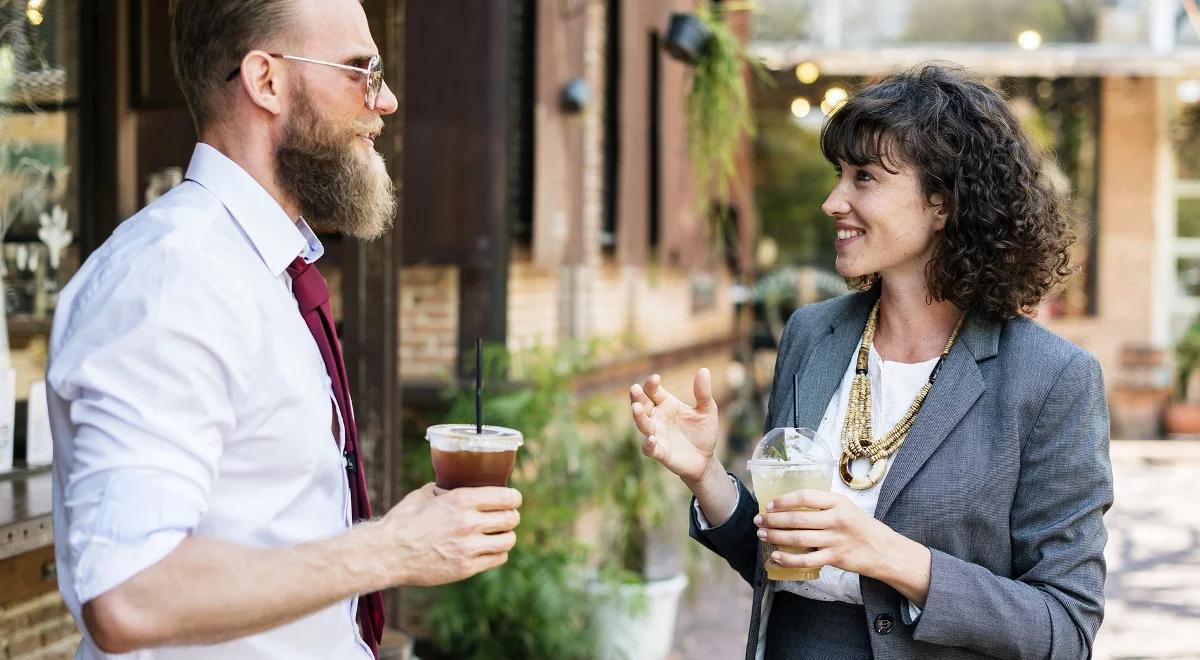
{"x":775,"y":464}
{"x":462,"y":437}
{"x":791,"y":448}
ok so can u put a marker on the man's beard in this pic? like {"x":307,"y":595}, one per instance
{"x":316,"y":165}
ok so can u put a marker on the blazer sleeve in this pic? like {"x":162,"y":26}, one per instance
{"x":736,"y":539}
{"x":1053,"y":606}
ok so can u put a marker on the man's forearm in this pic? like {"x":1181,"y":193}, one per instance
{"x":208,"y":591}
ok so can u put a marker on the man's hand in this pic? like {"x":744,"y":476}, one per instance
{"x":430,"y":539}
{"x":208,"y":591}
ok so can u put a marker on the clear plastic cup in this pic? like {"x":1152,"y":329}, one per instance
{"x":463,"y":458}
{"x":787,"y":460}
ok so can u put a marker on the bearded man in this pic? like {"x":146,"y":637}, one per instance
{"x":208,"y":493}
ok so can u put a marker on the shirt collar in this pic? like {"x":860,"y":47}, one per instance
{"x":313,"y":249}
{"x":276,"y":237}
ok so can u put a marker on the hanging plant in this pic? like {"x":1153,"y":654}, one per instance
{"x":718,"y":104}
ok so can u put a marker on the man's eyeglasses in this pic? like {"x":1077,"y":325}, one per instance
{"x":373,"y":73}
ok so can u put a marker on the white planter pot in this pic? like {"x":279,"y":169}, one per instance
{"x":637,"y":621}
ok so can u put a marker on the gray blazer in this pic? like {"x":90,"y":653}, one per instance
{"x":1005,"y":476}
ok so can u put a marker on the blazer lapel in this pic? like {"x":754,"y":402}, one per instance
{"x":958,"y":387}
{"x":825,"y":365}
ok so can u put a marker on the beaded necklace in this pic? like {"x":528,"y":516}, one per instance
{"x":857,"y":438}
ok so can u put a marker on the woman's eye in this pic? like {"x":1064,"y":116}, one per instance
{"x":863,"y":175}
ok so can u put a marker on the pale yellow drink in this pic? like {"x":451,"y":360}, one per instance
{"x":772,"y":482}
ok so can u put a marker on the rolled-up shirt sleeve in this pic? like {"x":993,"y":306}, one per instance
{"x":146,"y":375}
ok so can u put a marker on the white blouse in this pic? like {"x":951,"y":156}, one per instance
{"x":894,"y":385}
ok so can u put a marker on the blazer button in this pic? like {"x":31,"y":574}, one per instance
{"x":884,"y":624}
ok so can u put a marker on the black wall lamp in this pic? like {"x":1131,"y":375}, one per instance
{"x":575,"y":96}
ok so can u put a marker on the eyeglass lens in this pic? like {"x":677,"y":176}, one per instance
{"x":374,"y":81}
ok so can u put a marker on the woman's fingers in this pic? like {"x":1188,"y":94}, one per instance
{"x":796,"y":519}
{"x":653,"y":449}
{"x":654,"y":389}
{"x":702,"y":390}
{"x":805,"y":499}
{"x":813,"y":559}
{"x":805,"y":538}
{"x":638,"y":395}
{"x":641,"y":419}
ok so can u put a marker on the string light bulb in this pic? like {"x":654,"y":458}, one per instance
{"x":1029,"y":40}
{"x":807,"y":72}
{"x":33,"y":11}
{"x":800,"y":107}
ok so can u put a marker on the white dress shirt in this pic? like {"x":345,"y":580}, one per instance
{"x":894,"y":385}
{"x":187,"y":396}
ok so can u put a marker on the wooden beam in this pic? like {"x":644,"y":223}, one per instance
{"x":457,"y":170}
{"x":1049,"y":61}
{"x":370,"y":295}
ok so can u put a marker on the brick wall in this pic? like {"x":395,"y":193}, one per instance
{"x":659,"y":309}
{"x":533,"y":299}
{"x":428,"y":321}
{"x":37,"y":629}
{"x":1130,"y":135}
{"x":675,"y":308}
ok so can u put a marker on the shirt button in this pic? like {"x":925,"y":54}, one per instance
{"x":883,"y":624}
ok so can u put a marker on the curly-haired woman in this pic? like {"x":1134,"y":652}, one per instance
{"x":966,"y":517}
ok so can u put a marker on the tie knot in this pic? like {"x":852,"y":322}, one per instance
{"x":297,"y":267}
{"x":308,"y":285}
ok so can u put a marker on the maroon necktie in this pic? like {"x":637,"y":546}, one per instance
{"x":312,"y":296}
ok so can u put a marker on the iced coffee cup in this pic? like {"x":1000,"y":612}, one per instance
{"x":787,"y":460}
{"x":464,"y":456}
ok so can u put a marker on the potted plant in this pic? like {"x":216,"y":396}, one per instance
{"x":536,"y":605}
{"x":637,"y":598}
{"x":1182,"y":416}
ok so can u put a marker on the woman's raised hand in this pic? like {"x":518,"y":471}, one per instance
{"x":681,"y":437}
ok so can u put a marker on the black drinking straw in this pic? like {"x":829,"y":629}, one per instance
{"x":796,"y":400}
{"x":478,"y":387}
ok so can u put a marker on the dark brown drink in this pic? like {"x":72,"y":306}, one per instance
{"x":458,"y":469}
{"x":464,"y":457}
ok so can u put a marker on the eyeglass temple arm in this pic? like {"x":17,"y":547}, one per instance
{"x":234,"y":74}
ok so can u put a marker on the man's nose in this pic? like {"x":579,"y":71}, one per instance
{"x":387,"y":103}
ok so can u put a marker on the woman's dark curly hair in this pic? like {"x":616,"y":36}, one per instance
{"x":1007,"y":235}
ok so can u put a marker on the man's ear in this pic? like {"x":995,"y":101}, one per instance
{"x":941,"y":210}
{"x":262,"y":80}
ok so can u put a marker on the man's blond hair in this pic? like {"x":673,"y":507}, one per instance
{"x":209,"y":38}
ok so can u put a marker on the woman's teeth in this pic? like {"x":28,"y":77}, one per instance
{"x":843,"y":234}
